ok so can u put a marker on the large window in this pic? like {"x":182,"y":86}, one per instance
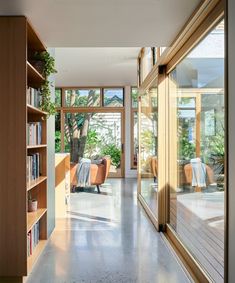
{"x":197,"y":155}
{"x":82,"y":97}
{"x":134,"y":127}
{"x":147,"y":58}
{"x":148,"y":152}
{"x":89,"y":124}
{"x":93,"y":135}
{"x":89,"y":97}
{"x":58,"y":132}
{"x":113,"y":97}
{"x":58,"y":97}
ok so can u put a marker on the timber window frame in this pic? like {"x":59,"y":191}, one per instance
{"x":207,"y":15}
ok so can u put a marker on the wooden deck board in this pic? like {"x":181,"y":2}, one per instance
{"x":205,"y":243}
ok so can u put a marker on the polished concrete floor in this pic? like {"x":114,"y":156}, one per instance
{"x":149,"y":191}
{"x":107,"y":238}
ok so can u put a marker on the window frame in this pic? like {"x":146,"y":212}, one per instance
{"x":133,"y":110}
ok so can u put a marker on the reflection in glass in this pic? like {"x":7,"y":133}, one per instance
{"x":57,"y":132}
{"x":135,"y":139}
{"x":113,"y":97}
{"x":148,"y":148}
{"x":82,"y":97}
{"x":197,"y":154}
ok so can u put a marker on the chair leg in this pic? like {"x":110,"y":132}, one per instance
{"x":98,"y":189}
{"x":73,"y":190}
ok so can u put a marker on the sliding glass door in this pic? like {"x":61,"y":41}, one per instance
{"x":148,"y":150}
{"x":93,"y":135}
{"x":90,"y":124}
{"x":196,"y":153}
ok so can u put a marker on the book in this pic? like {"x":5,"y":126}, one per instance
{"x":33,"y":237}
{"x":33,"y":167}
{"x":33,"y":97}
{"x":34,"y":133}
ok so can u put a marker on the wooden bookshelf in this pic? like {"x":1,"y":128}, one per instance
{"x":33,"y":258}
{"x":34,"y":217}
{"x":17,"y":74}
{"x":34,"y":77}
{"x":35,"y":182}
{"x":36,"y":146}
{"x":33,"y":110}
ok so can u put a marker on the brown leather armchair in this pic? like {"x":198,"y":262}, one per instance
{"x":189,"y":174}
{"x":98,"y":173}
{"x":154,"y":167}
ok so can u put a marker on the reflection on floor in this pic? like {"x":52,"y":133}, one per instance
{"x":107,"y":238}
{"x":198,"y":219}
{"x":149,"y":192}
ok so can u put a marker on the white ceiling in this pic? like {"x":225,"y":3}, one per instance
{"x":96,"y":66}
{"x":103,"y":23}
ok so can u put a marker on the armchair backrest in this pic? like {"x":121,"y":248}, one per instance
{"x":107,"y":162}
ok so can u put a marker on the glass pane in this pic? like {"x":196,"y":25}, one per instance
{"x":57,"y":133}
{"x":58,"y":97}
{"x":135,"y":140}
{"x":148,"y":148}
{"x":113,"y":97}
{"x":82,"y":97}
{"x":134,"y":97}
{"x":94,"y":135}
{"x":197,"y":153}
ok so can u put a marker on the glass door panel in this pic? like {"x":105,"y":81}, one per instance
{"x":197,"y":154}
{"x":148,"y":148}
{"x":94,"y":135}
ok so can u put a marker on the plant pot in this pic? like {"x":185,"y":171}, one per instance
{"x":38,"y":65}
{"x":32,"y":205}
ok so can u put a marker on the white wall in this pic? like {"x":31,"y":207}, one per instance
{"x":231,"y":139}
{"x":129,"y":173}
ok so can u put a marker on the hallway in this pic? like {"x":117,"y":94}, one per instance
{"x":106,"y":238}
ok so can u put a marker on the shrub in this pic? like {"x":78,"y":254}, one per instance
{"x":114,"y":152}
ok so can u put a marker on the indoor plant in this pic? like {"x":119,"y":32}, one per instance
{"x":46,"y":61}
{"x":46,"y":104}
{"x":48,"y":68}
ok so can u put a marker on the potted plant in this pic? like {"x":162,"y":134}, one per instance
{"x":46,"y":65}
{"x":32,"y":203}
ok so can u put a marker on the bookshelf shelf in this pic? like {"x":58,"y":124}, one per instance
{"x":36,"y":253}
{"x":34,"y":217}
{"x":36,"y":146}
{"x":34,"y":77}
{"x":33,"y":110}
{"x":36,"y":182}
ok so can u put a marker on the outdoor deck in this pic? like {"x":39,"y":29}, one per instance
{"x":200,"y":225}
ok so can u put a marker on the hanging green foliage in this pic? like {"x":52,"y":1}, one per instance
{"x":48,"y":68}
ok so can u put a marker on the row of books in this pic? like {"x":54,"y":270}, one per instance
{"x":34,"y":133}
{"x":33,"y":167}
{"x":33,"y":238}
{"x":33,"y":96}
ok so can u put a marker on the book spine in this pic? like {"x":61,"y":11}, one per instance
{"x":37,"y":165}
{"x":31,"y":242}
{"x":34,"y":133}
{"x":31,"y":168}
{"x":28,"y":170}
